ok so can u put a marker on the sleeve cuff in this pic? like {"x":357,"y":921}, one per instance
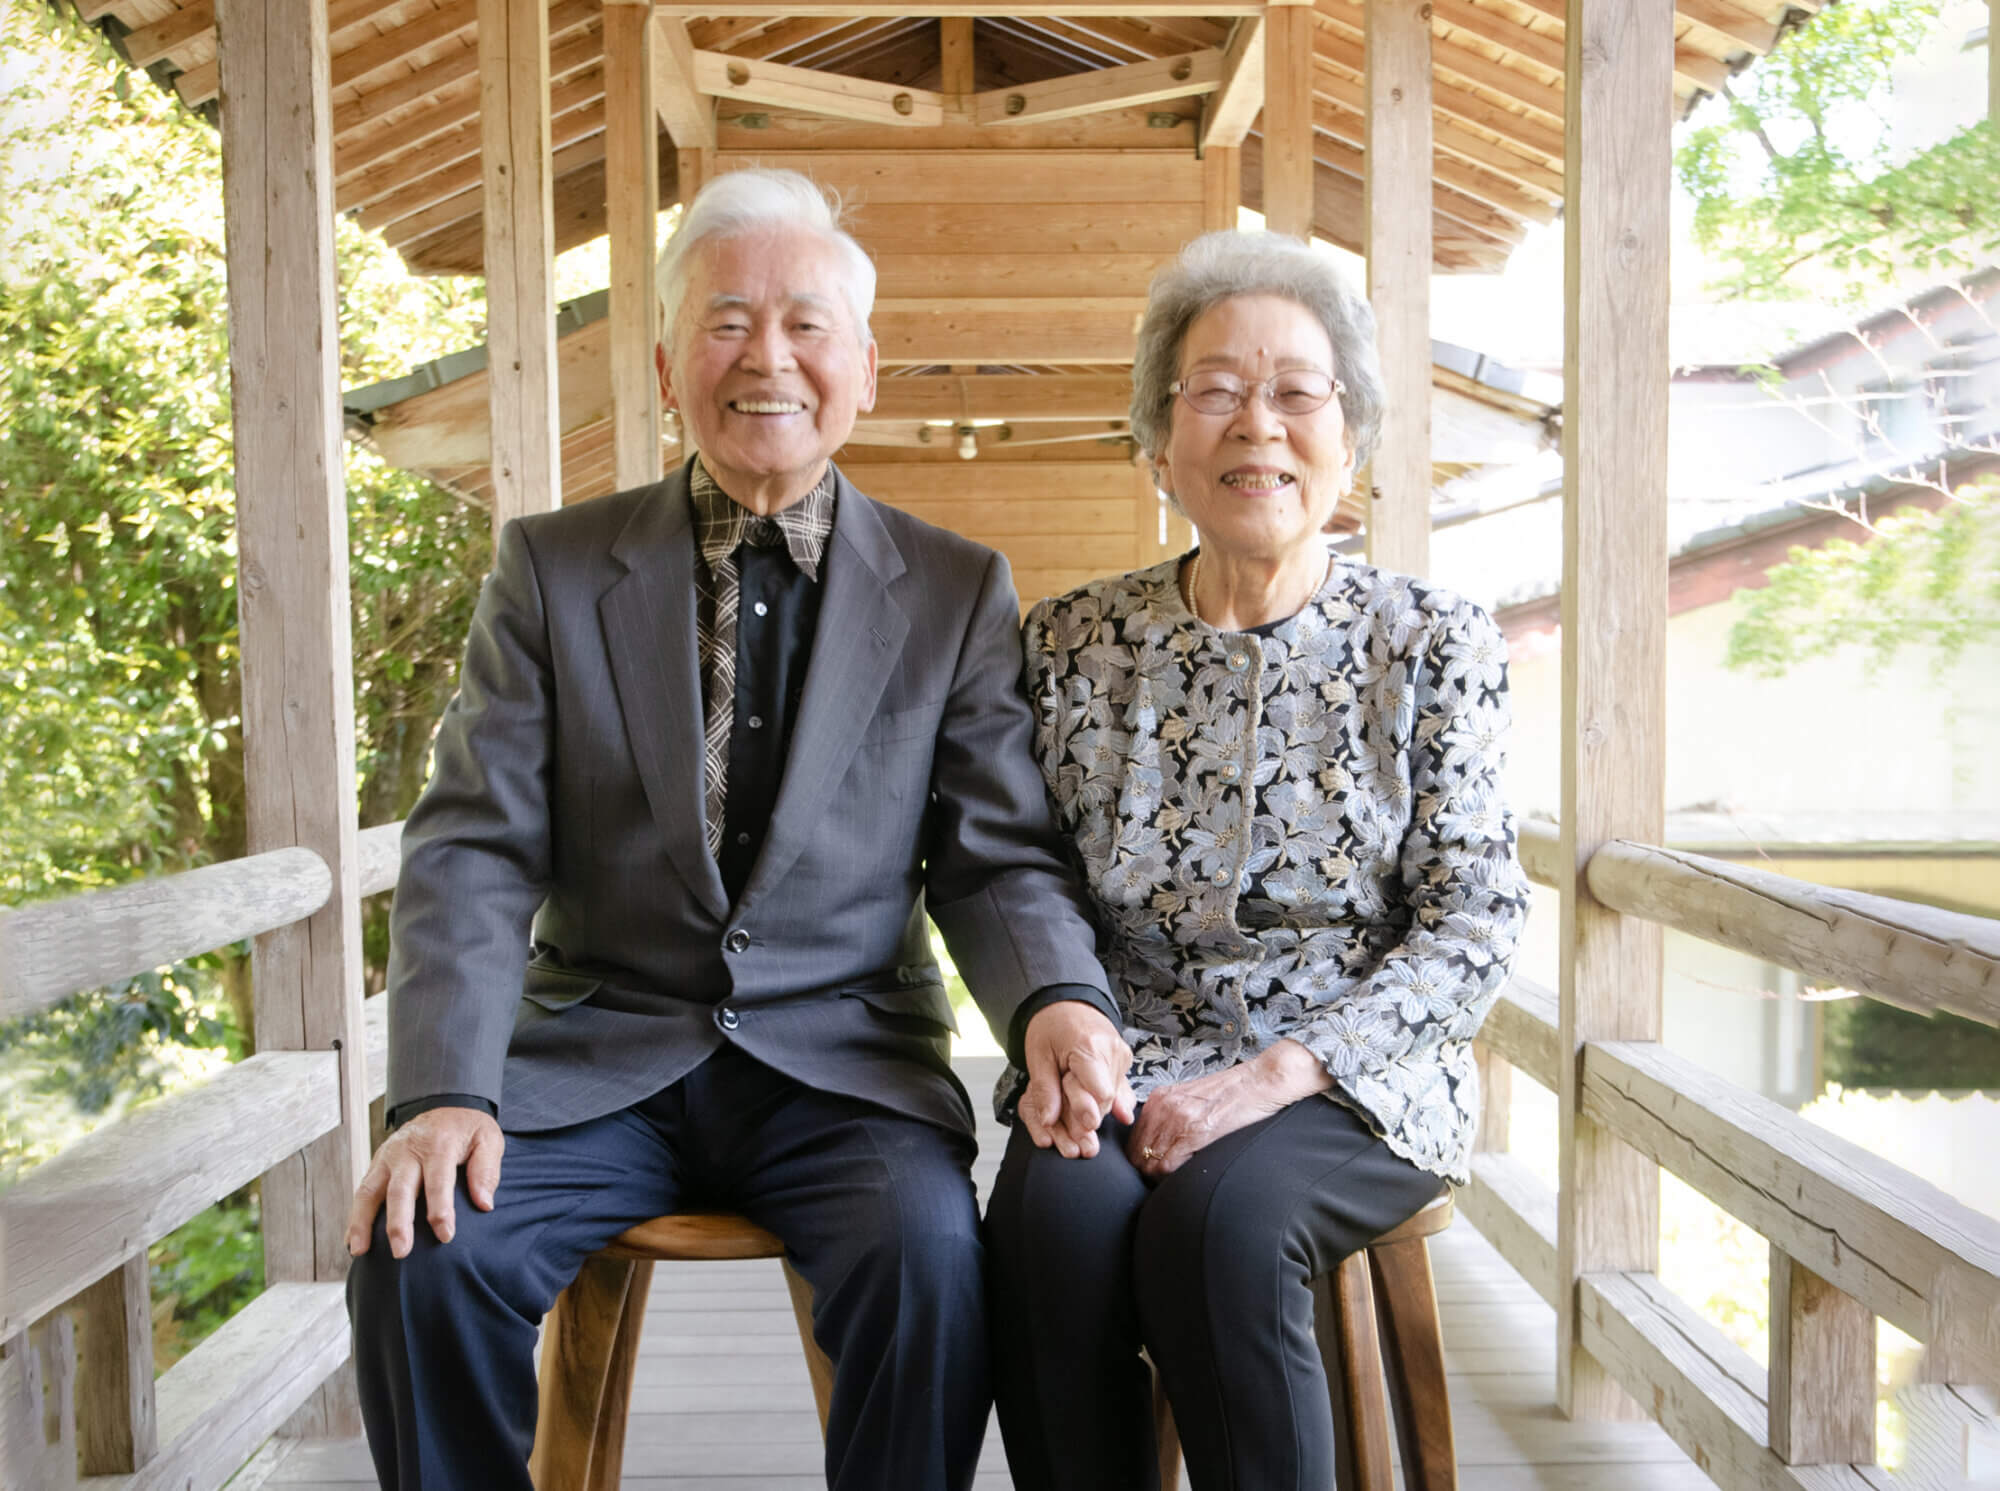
{"x":402,"y":1113}
{"x":1041,"y":999}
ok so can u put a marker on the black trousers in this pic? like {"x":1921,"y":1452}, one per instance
{"x":876,"y":1211}
{"x":1210,"y":1270}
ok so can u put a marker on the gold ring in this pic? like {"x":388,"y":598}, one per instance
{"x":1149,"y":1153}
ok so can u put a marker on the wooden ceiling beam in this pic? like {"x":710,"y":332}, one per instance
{"x":454,"y":108}
{"x":1449,"y":135}
{"x":566,"y":19}
{"x":1336,"y":56}
{"x":1457,"y":59}
{"x":1092,"y":42}
{"x":1150,"y":9}
{"x":392,"y":47}
{"x":791,"y":34}
{"x":1499,"y":192}
{"x":1446,"y":201}
{"x":1338,"y":209}
{"x":173,"y":36}
{"x":1729,"y":26}
{"x":1693,"y":68}
{"x":429,"y":192}
{"x":834,"y":94}
{"x":685,"y":109}
{"x":1129,"y":85}
{"x":1233,"y":108}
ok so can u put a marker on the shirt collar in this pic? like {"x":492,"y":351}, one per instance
{"x":721,"y":522}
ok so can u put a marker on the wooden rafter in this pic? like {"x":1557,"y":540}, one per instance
{"x":1131,"y":85}
{"x":836,"y":94}
{"x":1235,"y":105}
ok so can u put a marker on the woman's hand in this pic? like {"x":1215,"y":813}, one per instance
{"x":1180,"y":1119}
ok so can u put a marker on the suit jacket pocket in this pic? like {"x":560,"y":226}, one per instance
{"x":924,"y":1001}
{"x":557,"y":989}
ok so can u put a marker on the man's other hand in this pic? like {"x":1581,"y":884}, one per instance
{"x":424,"y":1155}
{"x":1077,"y":1066}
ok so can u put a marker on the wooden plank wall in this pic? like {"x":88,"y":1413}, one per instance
{"x":1060,"y":516}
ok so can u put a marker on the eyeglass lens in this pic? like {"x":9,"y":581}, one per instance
{"x":1296,"y":391}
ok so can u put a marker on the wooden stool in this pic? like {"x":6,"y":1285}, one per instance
{"x":1377,"y":1308}
{"x":590,"y":1343}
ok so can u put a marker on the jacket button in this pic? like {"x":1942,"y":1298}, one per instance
{"x":727,"y":1019}
{"x":737,"y":941}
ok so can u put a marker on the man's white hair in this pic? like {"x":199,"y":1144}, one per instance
{"x":757,"y":200}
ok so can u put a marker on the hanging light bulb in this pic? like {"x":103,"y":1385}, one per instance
{"x":968,"y":443}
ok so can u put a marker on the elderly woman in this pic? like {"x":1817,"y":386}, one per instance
{"x":1280,"y":771}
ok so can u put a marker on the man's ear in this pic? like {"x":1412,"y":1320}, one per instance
{"x":666,"y":382}
{"x":868,"y":358}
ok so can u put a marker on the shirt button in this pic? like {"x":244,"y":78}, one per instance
{"x":737,"y":940}
{"x":1220,"y":877}
{"x":1229,"y":1027}
{"x":1231,"y":770}
{"x":727,"y":1019}
{"x":755,"y":722}
{"x":743,"y":838}
{"x":761,"y":609}
{"x":1238,"y":661}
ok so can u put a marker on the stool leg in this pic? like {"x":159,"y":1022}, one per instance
{"x":1353,"y":1360}
{"x":818,"y":1363}
{"x":590,"y":1343}
{"x":1413,"y":1345}
{"x":1166,"y":1437}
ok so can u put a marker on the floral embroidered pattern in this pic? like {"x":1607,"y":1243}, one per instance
{"x":1291,"y":834}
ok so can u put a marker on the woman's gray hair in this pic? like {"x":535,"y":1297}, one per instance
{"x":758,"y":200}
{"x":1218,"y":266}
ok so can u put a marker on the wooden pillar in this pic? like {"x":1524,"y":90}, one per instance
{"x":292,"y":597}
{"x":520,"y":254}
{"x":1618,"y":90}
{"x":1398,"y":217}
{"x":957,"y":67}
{"x":632,"y":201}
{"x":1822,"y":1372}
{"x":1288,"y":126}
{"x":1221,"y":187}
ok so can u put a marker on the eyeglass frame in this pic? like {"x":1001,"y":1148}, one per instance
{"x":1178,"y":389}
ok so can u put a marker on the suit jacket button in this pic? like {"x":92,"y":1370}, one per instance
{"x":727,"y":1019}
{"x":737,"y":941}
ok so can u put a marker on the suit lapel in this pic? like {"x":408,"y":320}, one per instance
{"x":856,"y":647}
{"x":649,"y":633}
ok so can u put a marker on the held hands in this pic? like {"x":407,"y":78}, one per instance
{"x":1077,"y":1065}
{"x":1183,"y":1117}
{"x":424,"y":1154}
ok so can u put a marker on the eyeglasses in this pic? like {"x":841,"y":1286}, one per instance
{"x":1295,"y":391}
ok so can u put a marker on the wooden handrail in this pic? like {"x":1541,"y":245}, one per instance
{"x":1910,"y":955}
{"x":1898,"y":1244}
{"x":75,"y":1219}
{"x":378,"y":855}
{"x":55,"y":949}
{"x":1540,"y":845}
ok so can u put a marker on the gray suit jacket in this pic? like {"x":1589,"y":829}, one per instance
{"x":567,"y":792}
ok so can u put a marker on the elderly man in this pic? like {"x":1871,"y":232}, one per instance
{"x":718,"y":747}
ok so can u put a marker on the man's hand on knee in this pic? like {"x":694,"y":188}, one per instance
{"x":1077,"y":1075}
{"x":425,"y":1155}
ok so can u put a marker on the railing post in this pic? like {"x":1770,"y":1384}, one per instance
{"x":1822,"y":1373}
{"x":292,"y":593}
{"x":38,"y":1406}
{"x":117,"y":1425}
{"x":1398,"y":231}
{"x":1618,"y":88}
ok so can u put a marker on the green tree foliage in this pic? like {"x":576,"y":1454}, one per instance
{"x":120,"y":729}
{"x":1927,"y":579}
{"x":1798,"y":187}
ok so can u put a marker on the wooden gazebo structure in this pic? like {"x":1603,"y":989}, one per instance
{"x":1020,"y":174}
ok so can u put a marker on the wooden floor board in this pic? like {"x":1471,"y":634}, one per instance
{"x":722,"y":1401}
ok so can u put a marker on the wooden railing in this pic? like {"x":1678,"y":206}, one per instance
{"x":74,"y":1232}
{"x":1852,"y":1236}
